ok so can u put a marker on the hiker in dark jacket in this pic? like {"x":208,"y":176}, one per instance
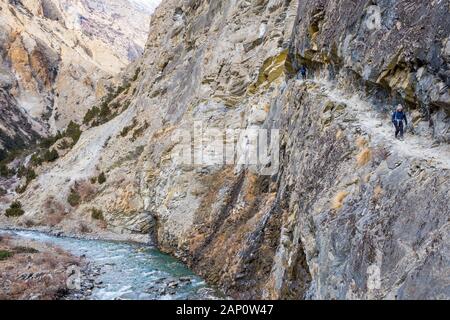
{"x":302,"y":73}
{"x":397,"y":119}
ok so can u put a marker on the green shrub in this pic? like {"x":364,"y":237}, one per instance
{"x":105,"y":112}
{"x":25,"y":250}
{"x":46,"y":143}
{"x":101,"y":178}
{"x":21,"y":189}
{"x":127,"y":129}
{"x":74,"y":198}
{"x":73,"y":131}
{"x":64,"y":145}
{"x":136,"y":74}
{"x":36,"y":160}
{"x":30,"y":175}
{"x":50,"y":156}
{"x":21,"y":171}
{"x":123,"y":88}
{"x":90,"y":115}
{"x":126,"y":105}
{"x":4,"y":171}
{"x":99,"y":115}
{"x":15,"y":210}
{"x":97,"y":214}
{"x":139,"y":131}
{"x":5,"y":255}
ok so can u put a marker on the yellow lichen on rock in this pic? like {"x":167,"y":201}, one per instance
{"x":272,"y":69}
{"x":338,"y":200}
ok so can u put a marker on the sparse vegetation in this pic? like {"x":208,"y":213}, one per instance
{"x":364,"y":157}
{"x":101,"y":178}
{"x":132,"y":155}
{"x":64,"y":144}
{"x":54,"y":219}
{"x":29,"y":174}
{"x":74,"y":132}
{"x":361,"y":142}
{"x":21,"y":189}
{"x":6,"y":157}
{"x":105,"y":112}
{"x":28,"y":250}
{"x":85,"y":190}
{"x":46,"y":143}
{"x":97,"y":214}
{"x":377,"y":193}
{"x":4,"y":254}
{"x":136,"y":74}
{"x":108,"y":109}
{"x":338,"y":200}
{"x":84,"y":228}
{"x":5,"y":171}
{"x":42,"y":152}
{"x":28,"y":223}
{"x":15,"y":210}
{"x":50,"y":155}
{"x":74,"y":198}
{"x":90,"y":115}
{"x":139,"y":131}
{"x":36,"y":160}
{"x":127,"y":129}
{"x":126,"y":105}
{"x":27,"y":272}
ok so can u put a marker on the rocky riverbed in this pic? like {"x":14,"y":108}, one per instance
{"x":32,"y":270}
{"x":107,"y":270}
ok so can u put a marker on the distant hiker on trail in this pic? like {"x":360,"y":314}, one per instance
{"x":397,"y":119}
{"x":302,"y":73}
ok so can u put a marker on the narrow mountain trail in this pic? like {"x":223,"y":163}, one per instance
{"x":381,"y":132}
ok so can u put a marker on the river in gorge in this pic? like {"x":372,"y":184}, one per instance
{"x":129,"y":270}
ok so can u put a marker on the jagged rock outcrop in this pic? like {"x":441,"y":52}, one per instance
{"x":16,"y":130}
{"x":350,"y":213}
{"x":398,"y":50}
{"x":53,"y":54}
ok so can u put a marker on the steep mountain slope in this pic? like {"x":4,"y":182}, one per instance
{"x":350,"y":213}
{"x":53,"y":54}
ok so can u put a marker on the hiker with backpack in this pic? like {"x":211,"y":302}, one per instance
{"x":398,"y":117}
{"x":302,"y":73}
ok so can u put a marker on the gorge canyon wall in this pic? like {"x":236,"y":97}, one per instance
{"x":56,"y":58}
{"x":351,"y":213}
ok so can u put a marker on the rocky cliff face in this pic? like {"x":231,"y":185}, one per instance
{"x":397,"y":51}
{"x":351,"y":212}
{"x":54,"y":53}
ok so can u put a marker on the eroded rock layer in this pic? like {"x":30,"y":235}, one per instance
{"x":53,"y":54}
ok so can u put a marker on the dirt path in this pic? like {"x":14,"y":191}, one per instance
{"x":381,"y":131}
